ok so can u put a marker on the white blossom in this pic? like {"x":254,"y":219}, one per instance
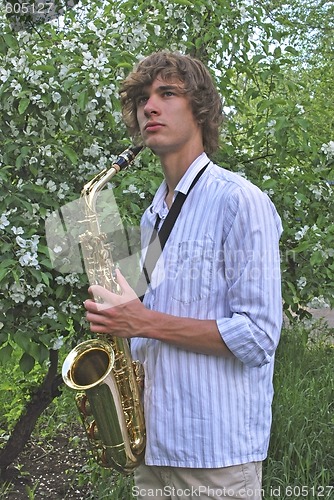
{"x":301,"y":282}
{"x":17,"y":230}
{"x":93,"y":150}
{"x":34,"y":242}
{"x":29,"y":259}
{"x":4,"y":74}
{"x":317,"y":191}
{"x":300,"y":234}
{"x":16,"y":293}
{"x":16,"y":86}
{"x":51,"y":313}
{"x":28,"y":251}
{"x":35,"y":98}
{"x":68,"y":279}
{"x":51,"y":186}
{"x":68,"y":307}
{"x":318,"y":303}
{"x":58,"y":343}
{"x":328,"y":149}
{"x":88,"y":61}
{"x":56,"y":97}
{"x":38,"y":290}
{"x":34,"y":303}
{"x":271,"y":127}
{"x":132,"y":189}
{"x":63,"y":188}
{"x":46,"y":150}
{"x":4,"y":221}
{"x":22,"y":243}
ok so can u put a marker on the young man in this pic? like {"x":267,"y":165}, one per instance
{"x":208,"y":327}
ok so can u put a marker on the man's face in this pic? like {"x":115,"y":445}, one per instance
{"x":165,"y":118}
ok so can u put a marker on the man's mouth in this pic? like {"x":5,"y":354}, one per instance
{"x":152,"y":126}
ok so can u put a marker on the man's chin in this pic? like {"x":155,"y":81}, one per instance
{"x":156,"y":146}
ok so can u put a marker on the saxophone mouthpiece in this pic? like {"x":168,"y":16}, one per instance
{"x":125,"y":158}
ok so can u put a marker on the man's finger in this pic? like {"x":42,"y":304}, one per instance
{"x":99,"y":292}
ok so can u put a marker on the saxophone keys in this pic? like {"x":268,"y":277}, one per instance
{"x":83,"y":404}
{"x":93,"y":432}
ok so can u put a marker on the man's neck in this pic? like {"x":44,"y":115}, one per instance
{"x":174,"y":167}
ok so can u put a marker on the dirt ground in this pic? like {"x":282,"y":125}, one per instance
{"x":47,"y":471}
{"x":326,"y":314}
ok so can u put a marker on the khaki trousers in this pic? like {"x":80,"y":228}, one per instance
{"x":179,"y":483}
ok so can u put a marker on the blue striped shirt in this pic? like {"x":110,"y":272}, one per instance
{"x":221,"y":262}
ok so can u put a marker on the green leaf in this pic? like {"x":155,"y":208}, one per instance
{"x":34,"y":170}
{"x":183,"y":2}
{"x":277,"y":52}
{"x":45,"y":278}
{"x":46,"y":263}
{"x":316,"y":258}
{"x":257,"y":58}
{"x":22,"y":340}
{"x":71,"y":154}
{"x":82,"y":100}
{"x":24,"y":103}
{"x":60,"y":292}
{"x":3,"y":46}
{"x":292,"y":50}
{"x":125,"y":65}
{"x":269,"y":184}
{"x":302,"y":247}
{"x":26,"y":363}
{"x":45,"y":67}
{"x":6,"y":266}
{"x":5,"y":354}
{"x":3,"y":337}
{"x":39,"y":352}
{"x":10,"y":40}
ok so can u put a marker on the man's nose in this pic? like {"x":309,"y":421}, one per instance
{"x":151,"y":106}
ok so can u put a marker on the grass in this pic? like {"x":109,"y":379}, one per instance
{"x":300,"y":463}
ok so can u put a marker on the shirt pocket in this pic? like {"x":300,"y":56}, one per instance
{"x":194,"y":274}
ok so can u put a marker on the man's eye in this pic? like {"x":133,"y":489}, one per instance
{"x":168,"y":93}
{"x":141,"y":100}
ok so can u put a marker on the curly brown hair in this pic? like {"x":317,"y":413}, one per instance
{"x":198,"y":85}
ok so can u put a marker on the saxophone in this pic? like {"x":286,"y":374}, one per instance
{"x":108,"y":381}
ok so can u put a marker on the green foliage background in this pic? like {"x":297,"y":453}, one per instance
{"x":60,"y":124}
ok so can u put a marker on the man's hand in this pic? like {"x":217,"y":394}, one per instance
{"x":114,"y":314}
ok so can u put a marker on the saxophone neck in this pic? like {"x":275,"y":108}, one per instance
{"x":94,"y":186}
{"x":91,"y":190}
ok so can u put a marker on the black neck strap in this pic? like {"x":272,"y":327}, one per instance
{"x":154,"y":251}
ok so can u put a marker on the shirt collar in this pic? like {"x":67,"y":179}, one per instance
{"x":182,"y":186}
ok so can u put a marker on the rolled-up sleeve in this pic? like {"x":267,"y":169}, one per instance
{"x":252,"y":273}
